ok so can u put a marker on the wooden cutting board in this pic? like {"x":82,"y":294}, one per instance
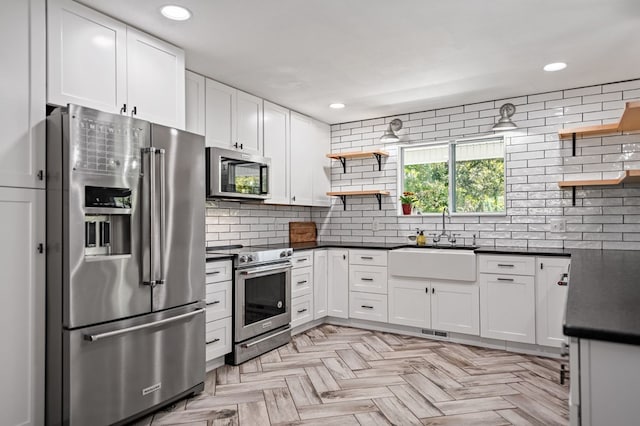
{"x":302,"y":232}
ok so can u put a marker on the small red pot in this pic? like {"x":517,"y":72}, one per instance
{"x":406,"y":209}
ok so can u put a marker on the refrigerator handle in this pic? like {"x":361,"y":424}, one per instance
{"x":162,"y":214}
{"x":152,"y":214}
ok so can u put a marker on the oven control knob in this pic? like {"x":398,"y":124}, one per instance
{"x":243,"y":259}
{"x":283,"y":254}
{"x":250,"y":258}
{"x":289,"y":252}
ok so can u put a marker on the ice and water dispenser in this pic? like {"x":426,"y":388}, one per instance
{"x":107,"y":221}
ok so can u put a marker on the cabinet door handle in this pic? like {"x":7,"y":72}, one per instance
{"x":366,"y":257}
{"x":505,"y":265}
{"x":366,"y":306}
{"x":123,"y":110}
{"x":433,"y":290}
{"x":302,"y":310}
{"x":426,"y":290}
{"x":505,"y":279}
{"x":302,"y":282}
{"x":134,"y":111}
{"x":215,"y":302}
{"x":213,"y":341}
{"x":366,"y":279}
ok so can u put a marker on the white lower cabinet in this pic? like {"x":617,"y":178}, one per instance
{"x":440,"y":306}
{"x":507,"y":307}
{"x":301,"y":282}
{"x":320,"y":265}
{"x":301,"y":310}
{"x":338,"y":283}
{"x":368,"y":306}
{"x":371,"y":279}
{"x":455,"y":308}
{"x":218,"y":299}
{"x":217,"y":338}
{"x":22,"y":306}
{"x":409,"y":302}
{"x":551,"y":299}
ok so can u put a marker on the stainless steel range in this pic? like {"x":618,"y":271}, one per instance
{"x":262,"y":299}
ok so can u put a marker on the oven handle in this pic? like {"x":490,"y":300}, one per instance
{"x":260,"y":270}
{"x":248,"y":345}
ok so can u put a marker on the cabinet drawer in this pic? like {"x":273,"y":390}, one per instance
{"x":368,"y":257}
{"x":371,"y":279}
{"x":219,"y":271}
{"x":218,"y":297}
{"x":368,"y":306}
{"x":302,"y":259}
{"x":512,"y":265}
{"x":301,"y":282}
{"x":218,"y":338}
{"x":301,"y":310}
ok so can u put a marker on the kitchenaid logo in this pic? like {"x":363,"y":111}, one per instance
{"x":151,"y":389}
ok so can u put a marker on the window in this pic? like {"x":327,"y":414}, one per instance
{"x":466,"y":176}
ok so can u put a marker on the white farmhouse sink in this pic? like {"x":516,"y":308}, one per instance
{"x":443,"y":264}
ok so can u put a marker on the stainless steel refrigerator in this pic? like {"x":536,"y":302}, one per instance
{"x":125,"y":266}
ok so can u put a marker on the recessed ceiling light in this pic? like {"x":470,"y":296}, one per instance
{"x":556,"y":66}
{"x":336,"y":106}
{"x":177,"y":13}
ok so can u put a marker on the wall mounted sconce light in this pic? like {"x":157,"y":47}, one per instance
{"x":504,"y":123}
{"x":390,"y":134}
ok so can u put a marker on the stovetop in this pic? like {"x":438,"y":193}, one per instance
{"x":254,"y":255}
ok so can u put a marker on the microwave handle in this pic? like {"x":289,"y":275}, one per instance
{"x":264,"y":181}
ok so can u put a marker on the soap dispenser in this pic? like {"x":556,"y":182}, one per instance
{"x":421,"y":240}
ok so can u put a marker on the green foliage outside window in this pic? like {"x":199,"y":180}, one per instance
{"x":479,"y":186}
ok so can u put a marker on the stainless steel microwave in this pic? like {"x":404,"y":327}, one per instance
{"x":233,"y":174}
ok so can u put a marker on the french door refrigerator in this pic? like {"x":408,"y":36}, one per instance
{"x":125,"y":266}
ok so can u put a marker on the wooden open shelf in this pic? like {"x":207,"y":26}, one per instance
{"x":344,"y":194}
{"x":629,"y":122}
{"x":629,"y":176}
{"x":344,"y":156}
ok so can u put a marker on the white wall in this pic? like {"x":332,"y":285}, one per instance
{"x":604,"y":217}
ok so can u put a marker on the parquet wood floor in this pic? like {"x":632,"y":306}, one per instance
{"x":333,"y":375}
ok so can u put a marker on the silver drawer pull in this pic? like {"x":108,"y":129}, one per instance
{"x":302,"y":282}
{"x":96,"y":337}
{"x":215,"y":302}
{"x":366,"y":257}
{"x":213,"y":341}
{"x":271,"y":336}
{"x":366,"y":306}
{"x":366,"y":279}
{"x":505,"y":265}
{"x":302,"y":310}
{"x":505,"y":279}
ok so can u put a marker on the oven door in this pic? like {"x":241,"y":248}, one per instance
{"x":263,"y":300}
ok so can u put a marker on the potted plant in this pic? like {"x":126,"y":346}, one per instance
{"x":407,"y":199}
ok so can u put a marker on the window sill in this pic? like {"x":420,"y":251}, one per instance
{"x":499,"y":214}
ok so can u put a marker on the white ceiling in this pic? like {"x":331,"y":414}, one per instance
{"x":388,"y":57}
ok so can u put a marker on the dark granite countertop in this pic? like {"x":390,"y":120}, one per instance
{"x":218,"y":256}
{"x":523,"y":251}
{"x":369,"y":246}
{"x":603,"y":302}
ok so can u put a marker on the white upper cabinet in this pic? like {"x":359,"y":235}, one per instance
{"x":249,"y":122}
{"x":321,"y":164}
{"x":276,"y":147}
{"x":233,"y":118}
{"x":301,"y":154}
{"x":194,"y":103}
{"x":100,"y":63}
{"x":22,"y":110}
{"x":155,"y":80}
{"x":220,"y":103}
{"x":87,"y":62}
{"x":22,"y":309}
{"x":550,"y":300}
